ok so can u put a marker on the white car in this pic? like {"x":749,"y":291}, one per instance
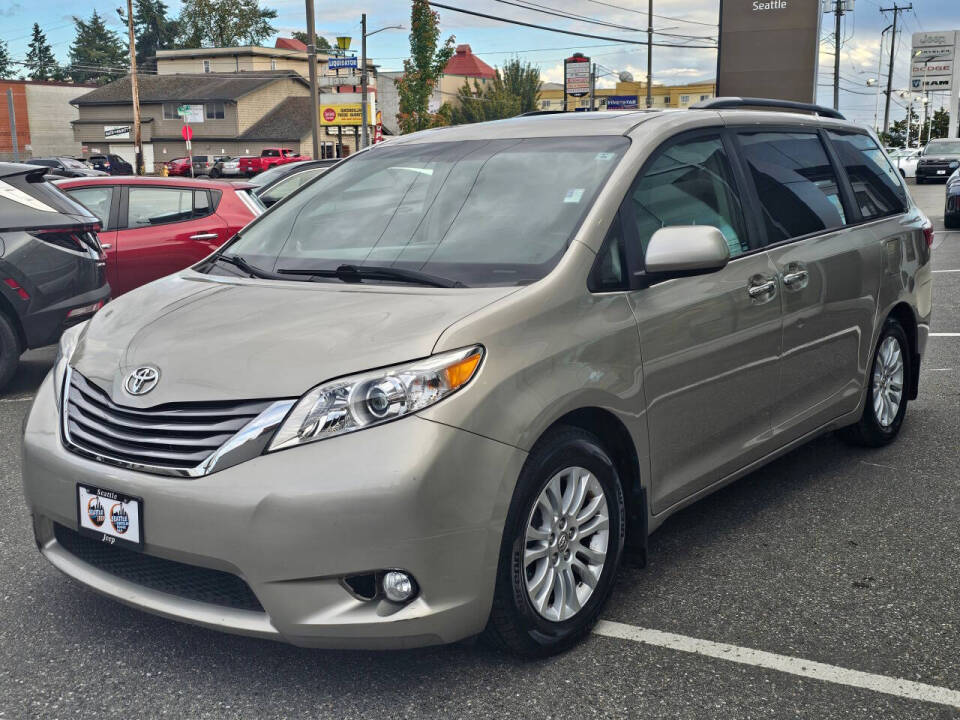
{"x":226,"y":168}
{"x":906,"y":161}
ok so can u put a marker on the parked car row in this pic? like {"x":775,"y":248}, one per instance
{"x":951,"y":208}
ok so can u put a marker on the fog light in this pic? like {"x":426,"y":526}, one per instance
{"x":398,"y":586}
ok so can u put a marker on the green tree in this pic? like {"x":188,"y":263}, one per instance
{"x":6,"y":63}
{"x":523,"y":81}
{"x":224,"y":23}
{"x":153,"y":31}
{"x":97,"y":53}
{"x":41,"y":64}
{"x":422,"y":70}
{"x":480,"y":103}
{"x":322,"y":44}
{"x":938,"y":125}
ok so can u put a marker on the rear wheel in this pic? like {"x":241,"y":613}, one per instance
{"x":886,"y":403}
{"x":214,"y":173}
{"x":951,"y":222}
{"x":9,"y":350}
{"x":561,"y":547}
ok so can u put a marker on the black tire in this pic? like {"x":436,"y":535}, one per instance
{"x":951,"y":222}
{"x":868,"y":431}
{"x":920,"y":180}
{"x":214,"y":174}
{"x":9,"y":350}
{"x":514,"y":624}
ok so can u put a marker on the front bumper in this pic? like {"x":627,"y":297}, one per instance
{"x":413,"y":494}
{"x":934,"y":172}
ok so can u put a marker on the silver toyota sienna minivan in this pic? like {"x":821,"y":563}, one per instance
{"x":446,"y":388}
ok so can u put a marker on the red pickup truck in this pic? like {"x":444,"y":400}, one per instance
{"x":270,"y":157}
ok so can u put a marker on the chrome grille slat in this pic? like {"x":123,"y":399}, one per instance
{"x":78,"y":400}
{"x":211,"y":442}
{"x":174,"y":436}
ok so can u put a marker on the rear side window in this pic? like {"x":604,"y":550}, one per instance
{"x":798,"y":189}
{"x":876,"y":183}
{"x":97,"y":200}
{"x":160,"y":205}
{"x":690,"y":183}
{"x":271,"y":153}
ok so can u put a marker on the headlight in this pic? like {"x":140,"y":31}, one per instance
{"x":954,"y":164}
{"x":68,"y":343}
{"x":361,"y":401}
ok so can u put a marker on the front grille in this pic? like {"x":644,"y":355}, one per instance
{"x":174,"y":578}
{"x":175,"y":435}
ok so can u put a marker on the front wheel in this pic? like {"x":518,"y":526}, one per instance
{"x":951,"y":222}
{"x":561,"y":547}
{"x":886,"y":402}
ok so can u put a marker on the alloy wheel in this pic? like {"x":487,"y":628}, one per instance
{"x":887,"y":381}
{"x":567,"y":536}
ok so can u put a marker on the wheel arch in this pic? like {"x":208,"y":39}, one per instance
{"x":616,"y":439}
{"x":903,"y":313}
{"x":6,"y":309}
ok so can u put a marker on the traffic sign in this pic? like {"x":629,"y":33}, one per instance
{"x":344,"y":62}
{"x":187,"y":132}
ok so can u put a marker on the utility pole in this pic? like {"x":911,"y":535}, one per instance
{"x":135,"y":89}
{"x":896,"y":10}
{"x":593,"y":85}
{"x":649,"y":54}
{"x":364,"y":134}
{"x":838,"y":12}
{"x":876,"y":104}
{"x":312,"y":61}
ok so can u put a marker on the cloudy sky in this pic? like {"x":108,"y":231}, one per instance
{"x":690,"y":22}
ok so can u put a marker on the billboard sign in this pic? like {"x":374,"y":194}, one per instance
{"x":347,"y":114}
{"x":769,"y":49}
{"x":623,"y":102}
{"x":576,"y":75}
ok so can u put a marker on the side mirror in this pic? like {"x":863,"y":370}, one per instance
{"x":688,"y":249}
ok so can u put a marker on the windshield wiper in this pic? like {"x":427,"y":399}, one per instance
{"x":251,"y":270}
{"x":358,"y":273}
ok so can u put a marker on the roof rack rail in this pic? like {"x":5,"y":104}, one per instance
{"x":720,"y":103}
{"x":530,"y":113}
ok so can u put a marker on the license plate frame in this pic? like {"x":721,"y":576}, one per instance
{"x":120,"y":516}
{"x":941,"y":172}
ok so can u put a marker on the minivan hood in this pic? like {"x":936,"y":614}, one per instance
{"x":214,"y":338}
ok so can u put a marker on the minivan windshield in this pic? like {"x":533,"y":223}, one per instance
{"x":475,"y":212}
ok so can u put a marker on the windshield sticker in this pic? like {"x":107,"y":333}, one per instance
{"x":9,"y":192}
{"x":573,"y":195}
{"x":604,"y":156}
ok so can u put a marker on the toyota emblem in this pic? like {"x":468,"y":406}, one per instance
{"x":141,"y":381}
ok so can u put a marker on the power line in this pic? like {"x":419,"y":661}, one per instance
{"x":569,"y":16}
{"x":641,"y":12}
{"x":566,"y":32}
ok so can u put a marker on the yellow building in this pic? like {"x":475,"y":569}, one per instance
{"x":622,"y":96}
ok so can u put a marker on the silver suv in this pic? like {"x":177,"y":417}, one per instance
{"x":449,"y":386}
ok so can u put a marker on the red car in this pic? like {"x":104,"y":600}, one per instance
{"x":156,"y":226}
{"x":270,"y":157}
{"x":178,"y":166}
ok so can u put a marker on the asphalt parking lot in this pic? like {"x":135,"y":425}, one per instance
{"x":833,"y":573}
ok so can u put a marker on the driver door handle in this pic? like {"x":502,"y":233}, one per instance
{"x":203,"y":236}
{"x":795,"y":277}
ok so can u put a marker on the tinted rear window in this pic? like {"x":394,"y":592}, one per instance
{"x":798,"y":188}
{"x":876,"y":183}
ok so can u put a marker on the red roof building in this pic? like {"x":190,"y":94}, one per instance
{"x":290,"y":44}
{"x":465,"y":64}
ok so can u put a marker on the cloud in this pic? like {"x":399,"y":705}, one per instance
{"x":11,"y":10}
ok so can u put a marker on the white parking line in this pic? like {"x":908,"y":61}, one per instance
{"x":16,"y":399}
{"x":944,"y":271}
{"x":782,"y":663}
{"x":944,"y":334}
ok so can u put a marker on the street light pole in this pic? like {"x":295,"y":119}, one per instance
{"x":312,"y":61}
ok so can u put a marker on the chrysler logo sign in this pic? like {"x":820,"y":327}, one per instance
{"x":141,"y":381}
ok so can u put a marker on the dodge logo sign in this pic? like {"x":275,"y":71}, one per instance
{"x":141,"y":381}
